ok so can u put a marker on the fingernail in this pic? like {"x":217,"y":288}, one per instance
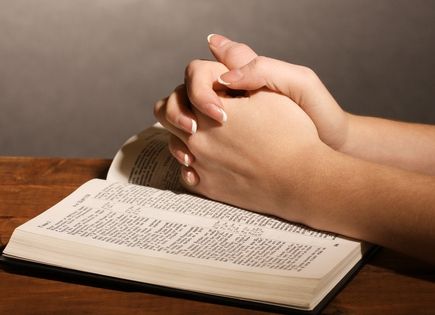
{"x":187,"y":124}
{"x":224,"y":115}
{"x":183,"y":158}
{"x":223,"y":82}
{"x":194,"y":127}
{"x":217,"y":40}
{"x":230,"y":77}
{"x":188,"y":177}
{"x":186,"y":160}
{"x":216,"y":113}
{"x":209,"y":37}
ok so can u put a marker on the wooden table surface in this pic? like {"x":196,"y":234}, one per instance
{"x":389,"y":283}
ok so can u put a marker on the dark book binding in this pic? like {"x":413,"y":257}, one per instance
{"x":34,"y":269}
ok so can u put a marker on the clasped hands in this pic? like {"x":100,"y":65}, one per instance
{"x":267,"y":136}
{"x":251,"y":131}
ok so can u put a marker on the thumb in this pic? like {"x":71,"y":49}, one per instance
{"x":301,"y":85}
{"x":231,"y":54}
{"x":296,"y":82}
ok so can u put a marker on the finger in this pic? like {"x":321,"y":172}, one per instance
{"x":178,"y":111}
{"x":251,"y":72}
{"x":189,"y":177}
{"x":201,"y":82}
{"x":231,"y":54}
{"x":291,"y":80}
{"x":160,"y":110}
{"x":180,"y":152}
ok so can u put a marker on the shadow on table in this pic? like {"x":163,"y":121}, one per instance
{"x":401,"y":264}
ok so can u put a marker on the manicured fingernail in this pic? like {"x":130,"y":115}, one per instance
{"x":224,"y":115}
{"x":216,"y":113}
{"x":186,"y":160}
{"x":188,"y":177}
{"x":187,"y":124}
{"x":230,"y":77}
{"x":194,"y":127}
{"x":209,"y":37}
{"x":223,"y":82}
{"x":217,"y":40}
{"x":183,"y":158}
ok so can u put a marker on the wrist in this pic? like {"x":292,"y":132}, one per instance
{"x":344,"y":140}
{"x":358,"y":134}
{"x":326,"y":194}
{"x":299,"y":200}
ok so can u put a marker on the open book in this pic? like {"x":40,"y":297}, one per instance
{"x":140,"y":225}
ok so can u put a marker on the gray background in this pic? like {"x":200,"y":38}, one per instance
{"x":78,"y":77}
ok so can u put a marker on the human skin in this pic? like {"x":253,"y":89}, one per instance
{"x":304,"y":162}
{"x":268,"y":158}
{"x":408,"y":146}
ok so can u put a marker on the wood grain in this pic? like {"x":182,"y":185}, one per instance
{"x":389,"y":283}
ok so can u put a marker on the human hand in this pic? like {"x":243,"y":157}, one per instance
{"x":269,"y":149}
{"x":251,"y":72}
{"x":201,"y":81}
{"x":202,"y":74}
{"x":299,"y":83}
{"x":371,"y":139}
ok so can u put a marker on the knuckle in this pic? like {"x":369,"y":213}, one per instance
{"x":261,"y":60}
{"x":192,"y":67}
{"x":308,"y":74}
{"x":236,"y":49}
{"x":158,"y":108}
{"x":259,"y":63}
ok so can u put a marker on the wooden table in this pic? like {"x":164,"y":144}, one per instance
{"x":389,"y":283}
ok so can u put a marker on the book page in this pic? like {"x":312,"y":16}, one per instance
{"x":180,"y":227}
{"x":145,"y":160}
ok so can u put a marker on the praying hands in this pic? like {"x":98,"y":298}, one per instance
{"x":267,"y":136}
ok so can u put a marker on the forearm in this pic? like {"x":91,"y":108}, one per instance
{"x":405,"y":145}
{"x":387,"y":206}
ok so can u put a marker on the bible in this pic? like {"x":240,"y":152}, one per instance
{"x":140,"y":225}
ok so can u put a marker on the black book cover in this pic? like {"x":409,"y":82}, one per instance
{"x":19,"y":266}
